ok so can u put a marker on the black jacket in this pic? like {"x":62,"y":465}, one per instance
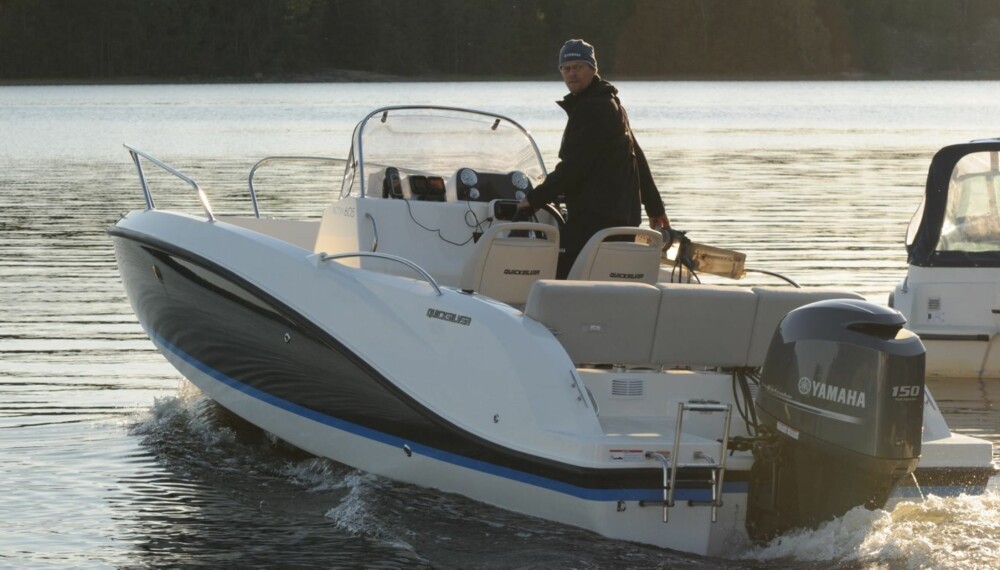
{"x":602,"y":172}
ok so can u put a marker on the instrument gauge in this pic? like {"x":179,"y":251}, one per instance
{"x":519,"y":180}
{"x":468,"y":177}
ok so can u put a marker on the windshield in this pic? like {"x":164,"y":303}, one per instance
{"x":438,"y":142}
{"x":972,"y":218}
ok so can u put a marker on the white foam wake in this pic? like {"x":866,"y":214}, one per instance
{"x":357,"y":513}
{"x":940,"y":532}
{"x":317,"y":475}
{"x":189,"y":411}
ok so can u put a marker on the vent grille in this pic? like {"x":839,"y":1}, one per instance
{"x":628,"y":388}
{"x":934,"y":304}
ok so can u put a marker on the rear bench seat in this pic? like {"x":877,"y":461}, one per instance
{"x":703,"y":325}
{"x":597,"y":321}
{"x":670,"y":325}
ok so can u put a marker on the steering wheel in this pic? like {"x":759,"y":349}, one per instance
{"x":526,"y":215}
{"x":556,"y":215}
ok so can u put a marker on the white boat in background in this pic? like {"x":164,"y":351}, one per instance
{"x":415,"y":332}
{"x":951,"y":293}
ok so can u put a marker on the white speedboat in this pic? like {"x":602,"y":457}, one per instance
{"x":415,"y":332}
{"x":951,"y":292}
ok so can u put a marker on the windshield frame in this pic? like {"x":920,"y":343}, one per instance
{"x":356,"y":159}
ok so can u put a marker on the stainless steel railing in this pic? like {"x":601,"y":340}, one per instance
{"x":272,"y":159}
{"x":150,"y":203}
{"x":406,"y":262}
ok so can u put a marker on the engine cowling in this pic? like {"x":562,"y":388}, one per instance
{"x":841,"y":397}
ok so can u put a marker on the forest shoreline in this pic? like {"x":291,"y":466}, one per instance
{"x":351,"y":76}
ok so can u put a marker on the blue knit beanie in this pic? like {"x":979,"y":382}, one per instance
{"x":577,"y":50}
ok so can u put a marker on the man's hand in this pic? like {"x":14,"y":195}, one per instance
{"x":658,"y":222}
{"x":524,"y":205}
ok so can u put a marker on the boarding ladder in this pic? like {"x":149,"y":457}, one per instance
{"x":671,"y":462}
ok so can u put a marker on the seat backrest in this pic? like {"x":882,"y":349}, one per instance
{"x":597,"y":322}
{"x":703,"y":325}
{"x":773,"y":303}
{"x":615,"y":260}
{"x":509,"y":258}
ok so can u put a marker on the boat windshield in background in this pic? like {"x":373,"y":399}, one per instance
{"x":971,"y":221}
{"x":958,"y":221}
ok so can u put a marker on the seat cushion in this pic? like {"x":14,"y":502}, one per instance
{"x":703,"y":325}
{"x":598,"y":322}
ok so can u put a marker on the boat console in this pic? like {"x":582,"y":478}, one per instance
{"x":464,"y":185}
{"x":418,"y":187}
{"x":467,"y":184}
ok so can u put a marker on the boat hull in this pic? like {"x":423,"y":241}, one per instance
{"x":258,"y":358}
{"x":954,"y":311}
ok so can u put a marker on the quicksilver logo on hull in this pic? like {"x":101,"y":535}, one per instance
{"x":522,"y":271}
{"x":450,"y":317}
{"x":627,"y":275}
{"x":824,"y":391}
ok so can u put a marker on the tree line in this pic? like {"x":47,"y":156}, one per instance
{"x":263,"y":40}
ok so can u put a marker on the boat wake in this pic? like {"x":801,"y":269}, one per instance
{"x":189,"y":431}
{"x":357,"y":513}
{"x":939,"y":532}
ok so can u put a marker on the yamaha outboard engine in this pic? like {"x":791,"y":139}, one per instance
{"x":841,"y":408}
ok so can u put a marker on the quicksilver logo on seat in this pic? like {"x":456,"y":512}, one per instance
{"x":450,"y":317}
{"x":627,"y":275}
{"x":823,"y":391}
{"x":521,"y":271}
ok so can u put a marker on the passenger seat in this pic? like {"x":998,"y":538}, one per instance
{"x":635,"y":260}
{"x":506,"y":263}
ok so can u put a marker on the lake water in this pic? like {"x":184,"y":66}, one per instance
{"x":108,"y":458}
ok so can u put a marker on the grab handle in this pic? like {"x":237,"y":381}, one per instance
{"x":406,"y":262}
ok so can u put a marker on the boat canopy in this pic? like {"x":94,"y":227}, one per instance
{"x":958,"y":221}
{"x":437,"y":141}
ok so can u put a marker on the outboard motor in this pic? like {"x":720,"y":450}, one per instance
{"x":841,"y":410}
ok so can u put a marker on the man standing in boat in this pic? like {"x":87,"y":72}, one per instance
{"x":602,"y":174}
